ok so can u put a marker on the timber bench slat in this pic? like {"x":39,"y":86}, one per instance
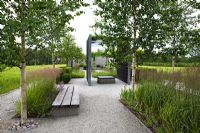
{"x":60,"y":96}
{"x":68,"y":97}
{"x":66,"y":102}
{"x":75,"y":100}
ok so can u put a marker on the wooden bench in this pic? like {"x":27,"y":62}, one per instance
{"x":105,"y":79}
{"x":67,"y":102}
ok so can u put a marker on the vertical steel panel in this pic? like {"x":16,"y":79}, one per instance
{"x":88,"y":60}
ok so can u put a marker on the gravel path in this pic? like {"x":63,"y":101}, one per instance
{"x":100,"y":112}
{"x":7,"y":108}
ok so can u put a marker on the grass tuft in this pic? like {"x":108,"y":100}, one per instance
{"x":40,"y":96}
{"x":167,"y":101}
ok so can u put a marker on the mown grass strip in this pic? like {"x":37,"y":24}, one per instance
{"x":10,"y":77}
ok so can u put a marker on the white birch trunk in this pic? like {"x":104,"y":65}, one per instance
{"x":173,"y":61}
{"x":134,"y":55}
{"x":53,"y":58}
{"x":23,"y":69}
{"x":23,"y":93}
{"x":133,"y":72}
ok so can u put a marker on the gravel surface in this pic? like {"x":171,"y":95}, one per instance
{"x":100,"y":112}
{"x":7,"y":108}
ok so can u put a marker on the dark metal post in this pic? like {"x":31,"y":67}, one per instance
{"x":88,"y":60}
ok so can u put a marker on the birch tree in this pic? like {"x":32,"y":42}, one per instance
{"x":58,"y":17}
{"x":24,"y":25}
{"x":21,"y":20}
{"x":126,"y":26}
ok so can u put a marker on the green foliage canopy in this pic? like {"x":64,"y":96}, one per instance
{"x":68,"y":51}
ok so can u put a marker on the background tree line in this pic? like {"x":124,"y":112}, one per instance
{"x":66,"y":52}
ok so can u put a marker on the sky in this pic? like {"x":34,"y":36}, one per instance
{"x":82,"y":25}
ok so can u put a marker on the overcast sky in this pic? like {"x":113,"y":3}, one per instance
{"x":82,"y":25}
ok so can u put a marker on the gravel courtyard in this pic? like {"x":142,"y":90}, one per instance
{"x":100,"y":112}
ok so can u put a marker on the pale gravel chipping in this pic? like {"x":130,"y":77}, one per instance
{"x":100,"y":112}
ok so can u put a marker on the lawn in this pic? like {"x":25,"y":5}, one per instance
{"x":9,"y":78}
{"x":77,"y":74}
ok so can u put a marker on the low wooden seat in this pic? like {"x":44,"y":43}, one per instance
{"x":105,"y":79}
{"x":67,"y":102}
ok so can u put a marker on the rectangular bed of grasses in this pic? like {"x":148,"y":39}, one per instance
{"x":41,"y":92}
{"x":167,"y":102}
{"x":10,"y":77}
{"x":189,"y":77}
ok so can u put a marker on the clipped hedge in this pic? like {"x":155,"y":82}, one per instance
{"x":178,"y":64}
{"x":66,"y":77}
{"x":66,"y":70}
{"x":68,"y":73}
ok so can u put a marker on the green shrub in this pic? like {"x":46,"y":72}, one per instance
{"x":82,"y":65}
{"x":40,"y":96}
{"x":66,"y":77}
{"x":67,"y":70}
{"x":2,"y":67}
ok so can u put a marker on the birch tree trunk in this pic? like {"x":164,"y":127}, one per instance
{"x":23,"y":68}
{"x":133,"y":72}
{"x":23,"y":93}
{"x":173,"y":61}
{"x":133,"y":55}
{"x":53,"y":58}
{"x":174,"y":52}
